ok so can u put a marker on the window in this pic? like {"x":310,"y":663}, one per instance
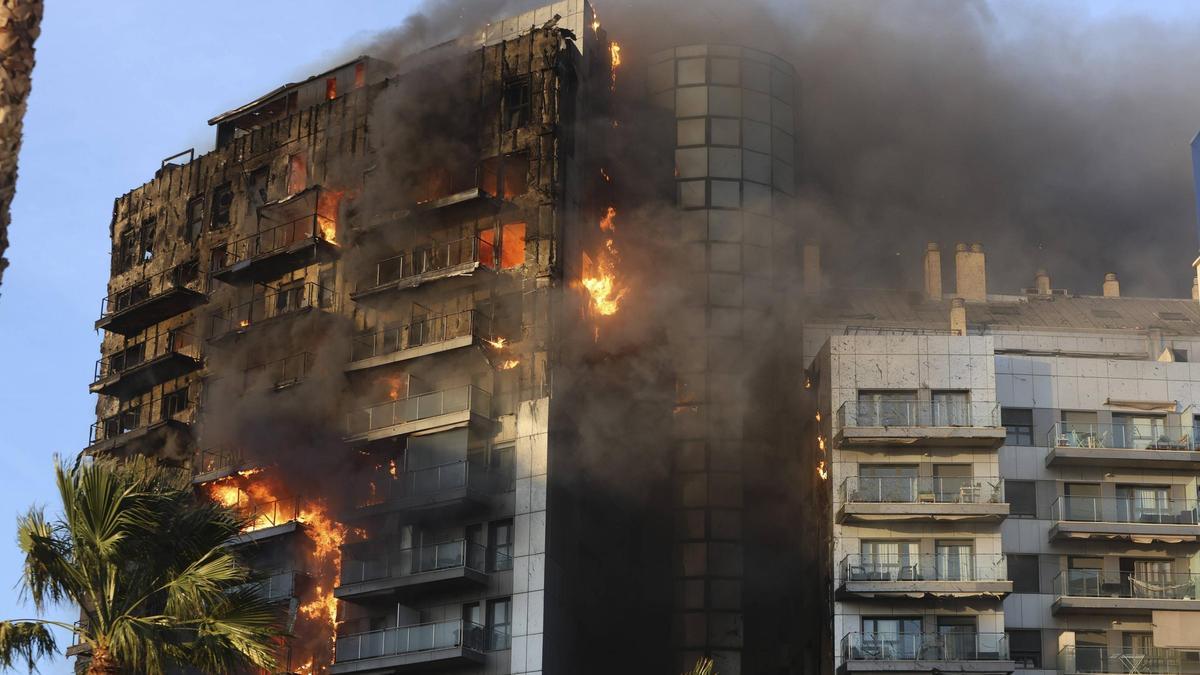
{"x":955,"y":560}
{"x":1142,"y":431}
{"x":259,"y":179}
{"x":289,"y":298}
{"x":1022,"y":498}
{"x":506,"y":176}
{"x":487,"y":248}
{"x":222,"y":206}
{"x":512,"y":245}
{"x":174,"y":403}
{"x":1025,"y":647}
{"x":891,"y":638}
{"x":131,"y":296}
{"x":1018,"y":422}
{"x":360,"y":75}
{"x":500,"y":545}
{"x":1023,"y":570}
{"x":146,"y":251}
{"x":297,"y":173}
{"x":517,"y":103}
{"x":886,"y":409}
{"x":950,"y":409}
{"x":126,"y":251}
{"x":330,"y":88}
{"x":195,"y":218}
{"x":326,"y":282}
{"x":499,"y":623}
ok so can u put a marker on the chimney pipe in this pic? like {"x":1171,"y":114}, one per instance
{"x":1041,"y":281}
{"x":970,"y":272}
{"x":812,"y":268}
{"x":933,"y":271}
{"x":958,"y":316}
{"x":1112,"y":287}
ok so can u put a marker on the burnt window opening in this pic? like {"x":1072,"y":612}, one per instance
{"x":222,"y":206}
{"x":128,"y":358}
{"x":506,"y":176}
{"x":218,"y":259}
{"x":518,"y":103}
{"x":146,"y":250}
{"x":174,"y":403}
{"x":360,"y":75}
{"x":326,"y":282}
{"x":185,"y":273}
{"x":195,"y":218}
{"x":258,"y":184}
{"x":289,"y":297}
{"x":131,"y":296}
{"x":297,"y":173}
{"x":330,"y":88}
{"x":126,"y":251}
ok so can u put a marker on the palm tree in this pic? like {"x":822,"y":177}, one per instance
{"x":146,"y":561}
{"x":20,"y":24}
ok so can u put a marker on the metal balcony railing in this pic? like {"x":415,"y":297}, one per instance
{"x":1086,"y":583}
{"x":313,"y":227}
{"x":185,"y":276}
{"x":904,"y":412}
{"x":1133,"y":436}
{"x":432,"y":258}
{"x":948,"y":646}
{"x":1152,"y":509}
{"x":365,"y":565}
{"x":419,"y":407}
{"x":276,"y":586}
{"x":281,"y":372}
{"x":139,"y":414}
{"x":922,"y":490}
{"x":149,"y":347}
{"x":279,"y":302}
{"x":260,"y":515}
{"x":212,"y":460}
{"x":412,"y":639}
{"x":1078,"y":659}
{"x":924,"y":567}
{"x":434,"y":480}
{"x":428,"y":331}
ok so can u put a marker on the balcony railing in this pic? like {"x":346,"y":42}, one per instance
{"x":360,"y":566}
{"x":430,"y":259}
{"x":311,"y":227}
{"x":419,"y":407}
{"x":147,"y":348}
{"x":950,"y":646}
{"x":434,"y":480}
{"x":429,"y":331}
{"x":1076,"y":659}
{"x":280,"y":373}
{"x":139,"y":415}
{"x":902,"y":412}
{"x":924,"y":567}
{"x":276,"y":586}
{"x":1152,"y":510}
{"x":279,"y":302}
{"x":412,"y":639}
{"x":1133,"y":436}
{"x":922,"y":489}
{"x":212,"y":460}
{"x":181,"y":277}
{"x":260,"y":515}
{"x":1085,"y":583}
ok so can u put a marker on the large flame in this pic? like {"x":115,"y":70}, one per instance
{"x":614,"y":50}
{"x":328,"y":203}
{"x":600,"y":275}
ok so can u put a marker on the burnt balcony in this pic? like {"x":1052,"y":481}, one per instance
{"x":368,"y":572}
{"x":471,"y":191}
{"x":1101,"y":592}
{"x":1139,"y":444}
{"x":441,"y":644}
{"x":423,"y":337}
{"x":460,"y":406}
{"x":924,"y":576}
{"x":294,"y":233}
{"x":279,"y":586}
{"x":145,"y":362}
{"x":142,"y":304}
{"x":146,"y":425}
{"x":949,"y":652}
{"x":1098,"y":660}
{"x":921,"y":498}
{"x":1137,"y":519}
{"x":429,"y":492}
{"x":286,"y":301}
{"x":280,"y":374}
{"x":427,"y":263}
{"x":904,"y":421}
{"x":217,"y":463}
{"x":265,"y":519}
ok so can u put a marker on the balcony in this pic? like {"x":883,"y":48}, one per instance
{"x":1088,"y":591}
{"x":926,"y":652}
{"x":424,"y":264}
{"x":1124,"y":518}
{"x":1097,"y":660}
{"x":280,"y":374}
{"x":444,"y":644}
{"x":280,"y":586}
{"x":921,"y":498}
{"x":935,"y":576}
{"x":433,"y":335}
{"x":925,"y":423}
{"x":447,"y":193}
{"x":302,"y":231}
{"x":1128,"y":446}
{"x":433,"y":491}
{"x":288,"y":301}
{"x":416,"y":413}
{"x":163,"y":421}
{"x":265,"y":519}
{"x":449,"y":565}
{"x":140,"y":305}
{"x":146,"y":362}
{"x":216,"y":463}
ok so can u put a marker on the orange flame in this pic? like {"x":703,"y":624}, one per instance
{"x":328,"y":204}
{"x":600,"y":276}
{"x":604,"y":174}
{"x":614,"y":50}
{"x":822,"y":471}
{"x":498,"y":343}
{"x":509,"y":364}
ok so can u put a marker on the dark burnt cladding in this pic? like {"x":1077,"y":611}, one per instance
{"x":408,"y":317}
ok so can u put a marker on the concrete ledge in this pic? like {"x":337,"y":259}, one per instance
{"x":923,"y":666}
{"x":454,"y":576}
{"x":921,"y":511}
{"x":1167,"y":533}
{"x":1124,"y":458}
{"x":412,"y":662}
{"x":918,"y":589}
{"x":1069,"y":604}
{"x":960,"y":437}
{"x":411,"y":353}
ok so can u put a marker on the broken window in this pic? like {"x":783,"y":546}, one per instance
{"x":126,"y":251}
{"x":147,"y":238}
{"x":326,"y":281}
{"x":507,"y":176}
{"x":174,"y":403}
{"x":487,"y":248}
{"x":330,"y":88}
{"x":185,"y":273}
{"x":512,"y":245}
{"x":222,"y":206}
{"x":517,"y":103}
{"x":132,"y":296}
{"x":289,"y":298}
{"x":360,"y":75}
{"x":258,"y":184}
{"x":297,"y":173}
{"x":195,"y":218}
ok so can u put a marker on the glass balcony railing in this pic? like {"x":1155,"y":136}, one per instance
{"x":212,"y":460}
{"x":435,"y":480}
{"x":1086,"y":583}
{"x":419,"y":407}
{"x":429,"y":259}
{"x":278,"y":302}
{"x":364,"y":565}
{"x":948,"y":646}
{"x":1077,"y":659}
{"x":1137,"y":509}
{"x":904,"y":412}
{"x":924,"y":567}
{"x":424,"y":637}
{"x":1132,"y":436}
{"x":922,"y":490}
{"x":428,"y":331}
{"x":276,"y":586}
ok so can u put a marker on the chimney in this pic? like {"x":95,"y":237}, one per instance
{"x":1112,"y":287}
{"x":1041,"y":281}
{"x":958,"y":316}
{"x":970,"y":275}
{"x":812,"y":268}
{"x":933,"y":271}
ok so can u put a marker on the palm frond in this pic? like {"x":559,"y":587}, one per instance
{"x":703,"y":667}
{"x":240,"y":631}
{"x":49,"y":573}
{"x":25,"y":642}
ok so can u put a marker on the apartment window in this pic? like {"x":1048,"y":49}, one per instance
{"x":886,"y":408}
{"x":222,"y":206}
{"x":950,"y":409}
{"x":146,"y":250}
{"x":360,"y":75}
{"x":500,"y":544}
{"x":126,"y":251}
{"x":499,"y":618}
{"x":195,"y":218}
{"x":1022,"y":498}
{"x":1025,"y":647}
{"x":1023,"y":570}
{"x":174,"y":403}
{"x":259,"y":179}
{"x":512,"y":245}
{"x":517,"y":103}
{"x":330,"y":88}
{"x":289,"y":298}
{"x":506,"y":176}
{"x":1018,"y":422}
{"x":297,"y":173}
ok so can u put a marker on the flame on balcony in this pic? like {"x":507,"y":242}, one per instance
{"x":600,"y":275}
{"x":328,"y":204}
{"x":498,"y":343}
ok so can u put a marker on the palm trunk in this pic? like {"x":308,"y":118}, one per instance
{"x":20,"y":23}
{"x":102,"y":663}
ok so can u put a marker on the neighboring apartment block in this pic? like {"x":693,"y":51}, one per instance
{"x":1013,"y":477}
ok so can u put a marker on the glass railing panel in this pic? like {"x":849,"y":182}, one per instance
{"x":946,"y":646}
{"x":1151,"y":509}
{"x":1093,"y":583}
{"x":924,"y":567}
{"x":917,"y":489}
{"x":1134,"y":435}
{"x":906,"y":412}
